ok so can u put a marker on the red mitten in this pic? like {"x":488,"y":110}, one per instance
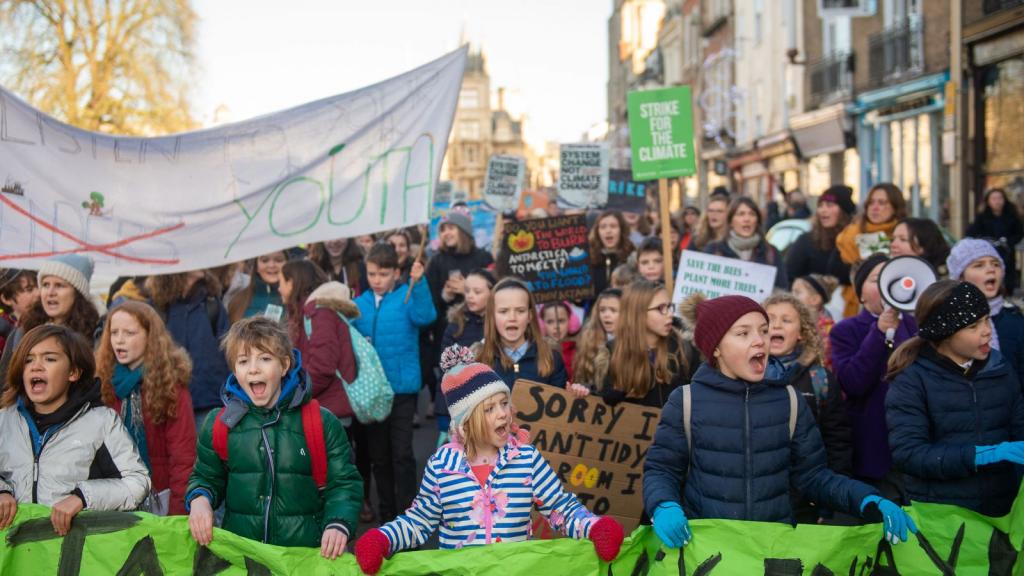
{"x":374,"y":546}
{"x":607,"y":535}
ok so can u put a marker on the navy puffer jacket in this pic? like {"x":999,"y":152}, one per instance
{"x":937,"y":415}
{"x":743,"y":462}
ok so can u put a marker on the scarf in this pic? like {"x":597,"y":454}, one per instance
{"x":744,"y":247}
{"x":846,"y":242}
{"x":127,"y":386}
{"x":781,"y":368}
{"x":995,"y":306}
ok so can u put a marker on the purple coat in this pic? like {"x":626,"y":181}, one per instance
{"x":859,"y":358}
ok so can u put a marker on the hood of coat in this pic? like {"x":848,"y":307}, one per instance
{"x":337,"y":297}
{"x":296,"y":389}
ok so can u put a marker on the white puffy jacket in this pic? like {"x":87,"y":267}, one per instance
{"x":94,"y":438}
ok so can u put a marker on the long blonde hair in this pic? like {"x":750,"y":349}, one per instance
{"x":705,"y":235}
{"x":492,"y":352}
{"x":590,"y":340}
{"x":168,"y":367}
{"x":810,"y":338}
{"x":630,"y":370}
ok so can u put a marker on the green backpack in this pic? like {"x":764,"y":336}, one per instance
{"x":370,"y":394}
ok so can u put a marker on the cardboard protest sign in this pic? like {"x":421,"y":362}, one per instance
{"x":661,"y":133}
{"x":716,"y":276}
{"x":484,"y":221}
{"x":596,"y":450}
{"x":951,"y":541}
{"x":503,"y":184}
{"x":351,"y":164}
{"x":552,"y":254}
{"x":626,"y":194}
{"x":583,"y":175}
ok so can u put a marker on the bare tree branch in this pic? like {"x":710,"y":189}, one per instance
{"x":119,"y":66}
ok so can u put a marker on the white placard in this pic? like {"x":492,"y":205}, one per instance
{"x":716,"y":276}
{"x":352,"y":164}
{"x":583,"y":175}
{"x":503,"y":185}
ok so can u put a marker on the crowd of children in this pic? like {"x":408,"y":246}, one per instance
{"x":268,"y":398}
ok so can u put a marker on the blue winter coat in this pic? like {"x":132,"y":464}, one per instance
{"x":192,"y":328}
{"x":1009,"y":325}
{"x":526,"y":369}
{"x":394,"y":330}
{"x":937,"y":415}
{"x":743,"y":460}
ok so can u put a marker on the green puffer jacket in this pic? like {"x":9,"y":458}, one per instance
{"x":275,"y":500}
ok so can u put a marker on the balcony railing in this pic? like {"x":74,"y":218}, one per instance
{"x":831,"y":78}
{"x":896,"y":53}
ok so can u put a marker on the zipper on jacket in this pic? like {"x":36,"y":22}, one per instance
{"x":42,"y":444}
{"x":749,"y":458}
{"x":273,"y":475}
{"x":376,"y":314}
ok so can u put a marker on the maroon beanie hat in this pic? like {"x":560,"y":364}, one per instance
{"x":716,"y":316}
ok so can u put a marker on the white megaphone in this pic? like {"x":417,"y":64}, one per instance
{"x":901,"y":282}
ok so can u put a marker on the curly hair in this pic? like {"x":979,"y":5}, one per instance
{"x":82,"y":318}
{"x":168,"y":367}
{"x":809,"y":335}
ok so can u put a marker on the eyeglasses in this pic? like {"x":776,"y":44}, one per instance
{"x":665,"y":309}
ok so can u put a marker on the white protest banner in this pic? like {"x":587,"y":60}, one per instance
{"x":352,"y":164}
{"x":504,"y":182}
{"x":583,"y":175}
{"x":716,"y":276}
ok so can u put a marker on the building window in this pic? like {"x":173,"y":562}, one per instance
{"x":469,"y":130}
{"x":471,"y":156}
{"x":469,"y":98}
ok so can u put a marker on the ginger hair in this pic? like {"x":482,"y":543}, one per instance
{"x":167,"y":365}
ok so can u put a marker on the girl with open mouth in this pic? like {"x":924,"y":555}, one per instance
{"x":955,"y":411}
{"x":729,"y":418}
{"x":978,"y":261}
{"x":62,"y":448}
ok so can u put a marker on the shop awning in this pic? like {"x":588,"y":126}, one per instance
{"x":821,"y":131}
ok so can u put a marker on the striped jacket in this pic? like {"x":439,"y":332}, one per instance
{"x":471,"y":514}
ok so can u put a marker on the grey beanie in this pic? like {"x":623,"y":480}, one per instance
{"x":74,"y":269}
{"x":460,"y":220}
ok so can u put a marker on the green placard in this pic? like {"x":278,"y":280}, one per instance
{"x":661,"y":133}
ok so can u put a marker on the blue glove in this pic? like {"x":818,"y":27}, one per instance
{"x":896,"y":522}
{"x":1003,"y":452}
{"x":671,"y":526}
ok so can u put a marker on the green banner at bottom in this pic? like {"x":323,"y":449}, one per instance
{"x":952,"y":541}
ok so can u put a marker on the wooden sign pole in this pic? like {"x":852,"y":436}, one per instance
{"x":666,"y":232}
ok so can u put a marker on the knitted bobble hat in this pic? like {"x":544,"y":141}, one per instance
{"x":74,"y":269}
{"x":716,"y":316}
{"x":466,"y":382}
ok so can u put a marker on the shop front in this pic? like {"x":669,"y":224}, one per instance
{"x":997,"y":113}
{"x":899,"y":140}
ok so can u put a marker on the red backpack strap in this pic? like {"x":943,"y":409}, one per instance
{"x":220,"y":436}
{"x":313,"y":428}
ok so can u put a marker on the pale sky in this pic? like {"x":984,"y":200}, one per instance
{"x":259,"y":57}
